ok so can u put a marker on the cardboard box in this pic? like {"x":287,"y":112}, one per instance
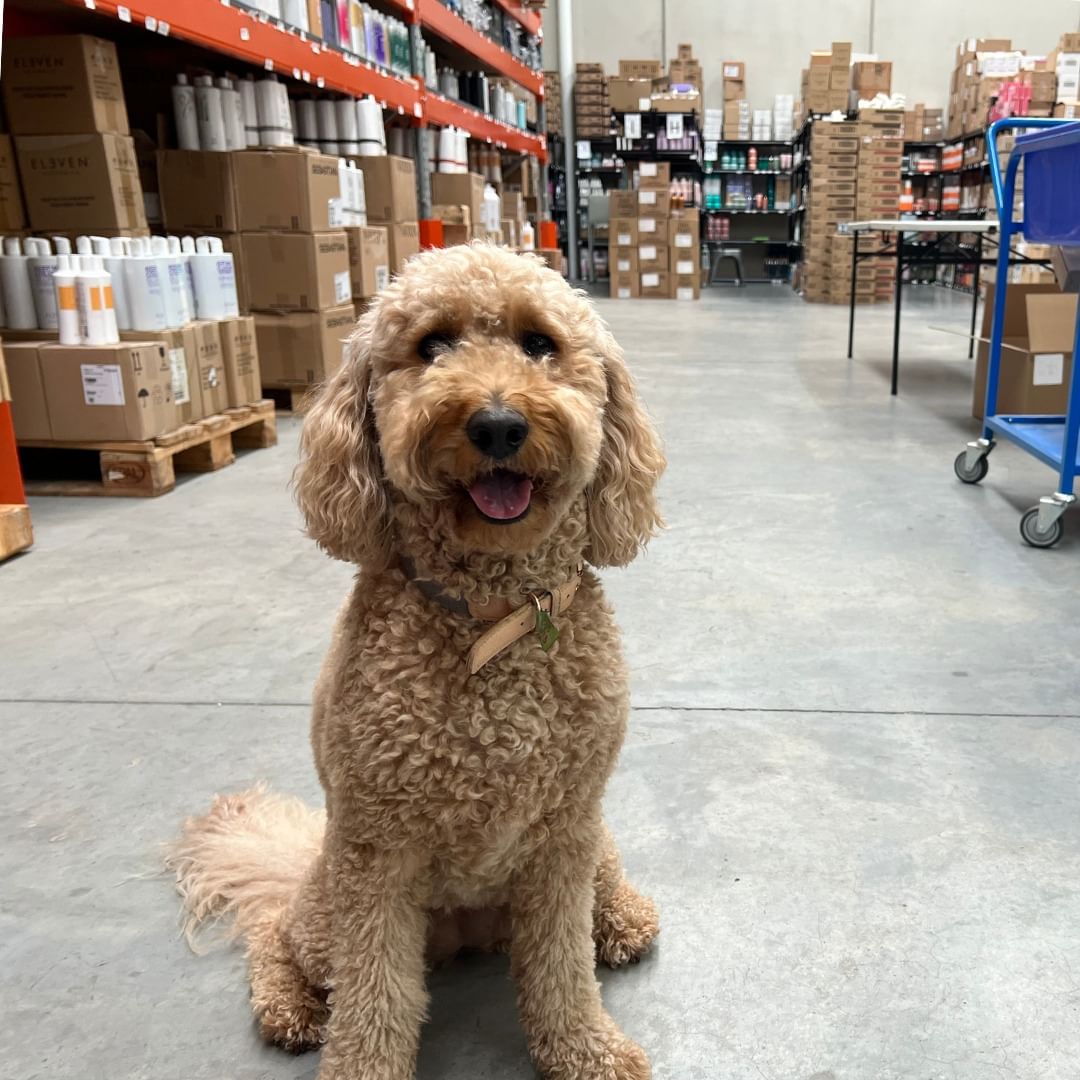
{"x":513,"y":205}
{"x":654,"y":175}
{"x":623,"y":232}
{"x":624,"y":260}
{"x":296,"y":271}
{"x":12,"y":215}
{"x":285,"y":189}
{"x":734,"y":90}
{"x":733,"y":69}
{"x":686,"y":286}
{"x":684,"y":262}
{"x":182,"y":352}
{"x":462,"y":189}
{"x":629,"y":95}
{"x":390,"y":189}
{"x":304,"y":348}
{"x":63,"y":85}
{"x":684,"y":231}
{"x":652,"y":228}
{"x":640,"y":69}
{"x":653,"y":257}
{"x":110,"y":392}
{"x":80,"y":182}
{"x":871,"y":77}
{"x":404,"y":241}
{"x":625,"y":286}
{"x":623,"y":204}
{"x":240,"y":353}
{"x":656,"y":203}
{"x":209,"y":366}
{"x":29,"y":410}
{"x":369,"y":259}
{"x":656,"y":285}
{"x":1036,"y":355}
{"x":197,"y":189}
{"x":841,"y":54}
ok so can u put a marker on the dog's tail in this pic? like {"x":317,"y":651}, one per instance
{"x":244,"y":860}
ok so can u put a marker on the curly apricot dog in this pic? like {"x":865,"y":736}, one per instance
{"x":480,"y":444}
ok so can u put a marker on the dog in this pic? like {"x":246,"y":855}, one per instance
{"x":481,"y":443}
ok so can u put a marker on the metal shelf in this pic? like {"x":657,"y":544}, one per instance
{"x":529,"y":19}
{"x":441,"y":110}
{"x":748,"y":172}
{"x":734,"y":210}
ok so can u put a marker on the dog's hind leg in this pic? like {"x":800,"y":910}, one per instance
{"x":624,"y":921}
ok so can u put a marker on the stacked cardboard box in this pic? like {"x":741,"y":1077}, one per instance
{"x":684,"y":245}
{"x":924,"y":125}
{"x":738,"y":116}
{"x":784,"y":117}
{"x":553,"y":116}
{"x":825,"y":83}
{"x":830,"y":200}
{"x":878,"y":187}
{"x":868,"y":79}
{"x":296,"y":264}
{"x":65,"y":107}
{"x":592,"y":108}
{"x":1065,"y":64}
{"x":982,"y":65}
{"x":390,"y":194}
{"x":685,"y":70}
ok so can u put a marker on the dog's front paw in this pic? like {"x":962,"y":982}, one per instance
{"x":595,"y":1056}
{"x":624,"y":927}
{"x":295,"y":1024}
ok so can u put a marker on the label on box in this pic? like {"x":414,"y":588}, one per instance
{"x":674,"y":125}
{"x":342,"y":287}
{"x":624,"y":239}
{"x":382,"y":277}
{"x":684,"y":240}
{"x":624,"y":293}
{"x":647,"y":252}
{"x":646,"y":224}
{"x":102,"y":384}
{"x":623,"y":265}
{"x":335,"y":212}
{"x":213,"y":379}
{"x":584,"y":149}
{"x":1048,"y":369}
{"x":181,"y":392}
{"x":647,"y":168}
{"x":644,"y":104}
{"x":683,"y":293}
{"x":710,"y":151}
{"x":731,"y":71}
{"x":632,"y":125}
{"x":646,"y":198}
{"x":650,"y":281}
{"x":684,"y":266}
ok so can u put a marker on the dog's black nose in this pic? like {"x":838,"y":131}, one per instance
{"x":498,"y":432}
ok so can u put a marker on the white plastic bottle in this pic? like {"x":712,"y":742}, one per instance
{"x":295,"y":13}
{"x":370,"y":128}
{"x":178,"y":252}
{"x":111,"y":252}
{"x":108,"y":303}
{"x":528,"y":237}
{"x":145,"y":289}
{"x":492,"y":209}
{"x":348,"y":131}
{"x":67,"y":306}
{"x":187,"y":124}
{"x":90,"y":299}
{"x":328,"y":130}
{"x":172,"y":282}
{"x":232,"y":112}
{"x":208,"y":111}
{"x":15,"y":281}
{"x":41,"y":265}
{"x":251,"y":112}
{"x":307,"y":116}
{"x":272,"y":107}
{"x":215,"y":280}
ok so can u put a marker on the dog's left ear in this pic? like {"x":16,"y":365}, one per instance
{"x":623,"y":513}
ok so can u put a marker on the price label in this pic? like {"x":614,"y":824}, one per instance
{"x":583,"y":150}
{"x":632,"y":125}
{"x":674,"y":125}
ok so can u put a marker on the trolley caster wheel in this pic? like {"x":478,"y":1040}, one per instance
{"x":1033,"y":535}
{"x":973,"y":475}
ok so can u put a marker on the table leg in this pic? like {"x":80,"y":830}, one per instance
{"x":975,"y":290}
{"x":851,"y":313}
{"x":896,"y":323}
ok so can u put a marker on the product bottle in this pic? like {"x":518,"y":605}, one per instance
{"x":232,"y":113}
{"x":15,"y":280}
{"x":112,"y":331}
{"x":182,"y":258}
{"x":172,"y":282}
{"x":328,"y":131}
{"x":372,"y":133}
{"x":307,"y":122}
{"x":145,"y":288}
{"x":215,"y":280}
{"x":907,"y":199}
{"x":89,"y":299}
{"x":348,"y":131}
{"x":272,"y":107}
{"x":111,"y":253}
{"x":492,"y":209}
{"x":187,"y":124}
{"x":528,"y":238}
{"x":209,"y":114}
{"x":251,"y":112}
{"x":41,"y":265}
{"x":67,"y":306}
{"x":295,"y":13}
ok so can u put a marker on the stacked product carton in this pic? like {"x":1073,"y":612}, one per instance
{"x":1066,"y":69}
{"x":553,"y":103}
{"x":592,"y":108}
{"x":685,"y":70}
{"x":877,"y":193}
{"x":738,"y":117}
{"x":826,"y":82}
{"x":390,"y":195}
{"x":982,"y":65}
{"x":924,"y":125}
{"x":868,"y":79}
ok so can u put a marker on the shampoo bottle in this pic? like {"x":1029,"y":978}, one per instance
{"x":187,"y":125}
{"x":15,"y":281}
{"x":145,"y":289}
{"x":67,"y":306}
{"x":41,"y":265}
{"x":215,"y":280}
{"x":232,"y":112}
{"x":208,"y":111}
{"x":111,"y":251}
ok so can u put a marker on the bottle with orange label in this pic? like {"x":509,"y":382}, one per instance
{"x":67,"y":307}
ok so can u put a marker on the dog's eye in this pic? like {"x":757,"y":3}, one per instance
{"x":537,"y":346}
{"x":432,"y":346}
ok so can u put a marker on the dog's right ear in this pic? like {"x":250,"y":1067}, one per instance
{"x":339,"y":482}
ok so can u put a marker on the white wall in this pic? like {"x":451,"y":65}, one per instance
{"x":775,"y":37}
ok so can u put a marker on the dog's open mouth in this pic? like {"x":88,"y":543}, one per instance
{"x":502,"y":496}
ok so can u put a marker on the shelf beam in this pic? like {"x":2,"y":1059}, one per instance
{"x":444,"y":112}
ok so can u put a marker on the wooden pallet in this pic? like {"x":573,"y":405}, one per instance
{"x":147,"y":468}
{"x":290,"y":399}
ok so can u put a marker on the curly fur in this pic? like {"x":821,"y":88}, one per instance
{"x":460,"y":811}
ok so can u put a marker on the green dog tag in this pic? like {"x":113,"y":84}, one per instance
{"x":546,"y":630}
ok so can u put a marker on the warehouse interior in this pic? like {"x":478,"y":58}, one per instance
{"x":848,"y":777}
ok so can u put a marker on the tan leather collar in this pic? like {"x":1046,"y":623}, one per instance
{"x":512,"y":622}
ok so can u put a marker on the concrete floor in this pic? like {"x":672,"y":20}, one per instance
{"x":851,"y":777}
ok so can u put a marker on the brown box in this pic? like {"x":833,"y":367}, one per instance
{"x":63,"y":85}
{"x":29,"y":410}
{"x":686,"y":286}
{"x":284,"y":189}
{"x":624,"y":260}
{"x":197,"y":189}
{"x":390,"y":189}
{"x":734,"y":90}
{"x":303,"y":348}
{"x":652,"y":228}
{"x":209,"y":366}
{"x":686,"y":52}
{"x":182,"y":352}
{"x":819,"y":78}
{"x":80,"y":182}
{"x":121,"y":392}
{"x":841,"y":54}
{"x":240,"y":352}
{"x":12,"y":215}
{"x":639,"y":69}
{"x":369,"y":259}
{"x":623,"y":204}
{"x":870,"y":77}
{"x":733,"y":69}
{"x":654,"y":176}
{"x":462,"y":189}
{"x":625,"y":286}
{"x":684,"y":231}
{"x":296,"y":271}
{"x":404,"y":239}
{"x":629,"y":95}
{"x":656,"y":284}
{"x":623,"y":231}
{"x":654,"y":202}
{"x":652,"y":257}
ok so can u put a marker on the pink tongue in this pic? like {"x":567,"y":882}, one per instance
{"x":502,"y":495}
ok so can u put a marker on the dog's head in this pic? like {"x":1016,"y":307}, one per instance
{"x":481,"y":387}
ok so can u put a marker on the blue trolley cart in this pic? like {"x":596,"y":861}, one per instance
{"x":1051,"y":159}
